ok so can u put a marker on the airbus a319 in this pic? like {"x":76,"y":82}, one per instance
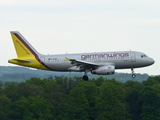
{"x":100,"y":63}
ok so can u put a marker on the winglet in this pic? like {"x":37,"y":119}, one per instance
{"x":67,"y":59}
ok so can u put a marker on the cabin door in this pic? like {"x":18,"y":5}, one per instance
{"x":133,"y":57}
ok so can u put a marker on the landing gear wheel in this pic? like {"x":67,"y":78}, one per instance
{"x":85,"y":77}
{"x":133,"y":75}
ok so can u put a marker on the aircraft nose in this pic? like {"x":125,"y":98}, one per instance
{"x":151,"y":61}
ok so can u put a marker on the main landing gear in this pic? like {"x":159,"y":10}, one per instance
{"x":85,"y":77}
{"x":133,"y":75}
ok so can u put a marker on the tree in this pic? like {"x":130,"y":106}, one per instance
{"x":91,"y":91}
{"x":30,"y":108}
{"x":66,"y":84}
{"x":110,"y":102}
{"x":151,"y":81}
{"x":76,"y":106}
{"x":132,"y":98}
{"x":36,"y":81}
{"x":98,"y":81}
{"x":28,"y":89}
{"x":10,"y":91}
{"x":55,"y":97}
{"x":4,"y":103}
{"x":15,"y":91}
{"x":151,"y":103}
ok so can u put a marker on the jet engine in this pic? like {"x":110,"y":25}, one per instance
{"x":104,"y":70}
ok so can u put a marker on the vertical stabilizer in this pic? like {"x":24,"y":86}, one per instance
{"x":27,"y":55}
{"x":22,"y":46}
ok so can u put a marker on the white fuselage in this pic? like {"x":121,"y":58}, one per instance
{"x":101,"y":63}
{"x":120,"y":59}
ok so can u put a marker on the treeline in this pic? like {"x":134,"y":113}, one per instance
{"x":22,"y":77}
{"x":65,"y":98}
{"x":21,"y":74}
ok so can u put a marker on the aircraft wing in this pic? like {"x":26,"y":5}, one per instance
{"x":83,"y":64}
{"x":77,"y":62}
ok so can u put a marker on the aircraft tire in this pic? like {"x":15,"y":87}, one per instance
{"x":133,"y":75}
{"x":85,"y":78}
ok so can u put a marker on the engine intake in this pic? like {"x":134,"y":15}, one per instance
{"x":104,"y":70}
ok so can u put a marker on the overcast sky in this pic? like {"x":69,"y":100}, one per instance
{"x":75,"y":26}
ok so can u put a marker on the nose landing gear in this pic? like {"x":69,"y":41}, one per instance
{"x":133,"y":74}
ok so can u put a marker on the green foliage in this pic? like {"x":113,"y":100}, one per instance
{"x":90,"y":91}
{"x":77,"y":105}
{"x":30,"y":108}
{"x":11,"y":91}
{"x":22,"y":89}
{"x":110,"y":102}
{"x":98,"y":81}
{"x":64,"y":98}
{"x":133,"y":101}
{"x":36,"y":81}
{"x":4,"y":102}
{"x":151,"y":103}
{"x":151,"y":81}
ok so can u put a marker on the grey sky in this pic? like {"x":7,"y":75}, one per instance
{"x":75,"y":26}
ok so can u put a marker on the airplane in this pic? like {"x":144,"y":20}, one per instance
{"x":100,"y":63}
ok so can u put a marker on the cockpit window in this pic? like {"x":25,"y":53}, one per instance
{"x":143,"y":56}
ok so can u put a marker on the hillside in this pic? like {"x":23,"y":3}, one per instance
{"x":20,"y":74}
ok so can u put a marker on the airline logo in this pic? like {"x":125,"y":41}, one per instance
{"x":111,"y":55}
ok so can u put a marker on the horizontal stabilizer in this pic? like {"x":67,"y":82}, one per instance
{"x":20,"y":60}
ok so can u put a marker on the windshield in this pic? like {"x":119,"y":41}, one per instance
{"x":143,"y":56}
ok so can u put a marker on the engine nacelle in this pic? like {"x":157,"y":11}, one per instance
{"x":104,"y":70}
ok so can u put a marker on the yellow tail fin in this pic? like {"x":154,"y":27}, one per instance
{"x":23,"y":48}
{"x":27,"y":55}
